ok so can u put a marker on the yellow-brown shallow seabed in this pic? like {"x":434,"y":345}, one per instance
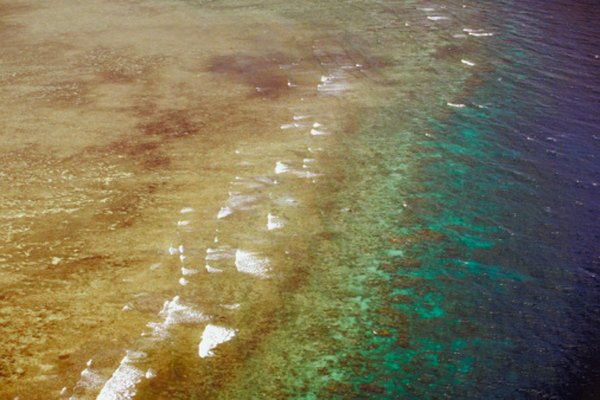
{"x":164,"y":171}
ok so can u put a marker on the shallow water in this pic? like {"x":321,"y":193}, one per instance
{"x":375,"y":199}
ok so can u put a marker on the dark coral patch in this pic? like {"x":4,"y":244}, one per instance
{"x":261,"y":73}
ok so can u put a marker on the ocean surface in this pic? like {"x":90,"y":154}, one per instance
{"x":393,"y":199}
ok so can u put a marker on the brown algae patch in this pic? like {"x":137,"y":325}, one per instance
{"x":262,"y":73}
{"x":117,"y":115}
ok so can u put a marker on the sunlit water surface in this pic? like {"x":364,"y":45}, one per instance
{"x":235,"y":200}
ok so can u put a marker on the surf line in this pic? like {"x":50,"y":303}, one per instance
{"x":129,"y":374}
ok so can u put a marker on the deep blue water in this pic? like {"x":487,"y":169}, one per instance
{"x":550,"y":95}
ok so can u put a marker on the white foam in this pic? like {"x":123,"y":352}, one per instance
{"x":234,"y":306}
{"x":481,"y":34}
{"x":274,"y":222}
{"x":316,"y":125}
{"x":150,"y":374}
{"x":467,"y":62}
{"x":250,"y":263}
{"x":333,"y":84}
{"x":290,"y":201}
{"x":183,"y":223}
{"x":213,"y":336}
{"x":183,"y":281}
{"x":237,"y":200}
{"x":122,"y":384}
{"x":456,"y":105}
{"x":436,"y":17}
{"x":330,"y":88}
{"x":181,"y":249}
{"x":291,"y":125}
{"x":281,"y":168}
{"x":265,"y":180}
{"x":188,"y":271}
{"x":299,"y":117}
{"x":224,"y":212}
{"x":89,"y":379}
{"x":307,"y":174}
{"x":212,"y":270}
{"x":133,"y":356}
{"x":316,"y":132}
{"x":477,"y":32}
{"x":220,"y":253}
{"x":172,"y":250}
{"x":186,"y":210}
{"x":173,"y":312}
